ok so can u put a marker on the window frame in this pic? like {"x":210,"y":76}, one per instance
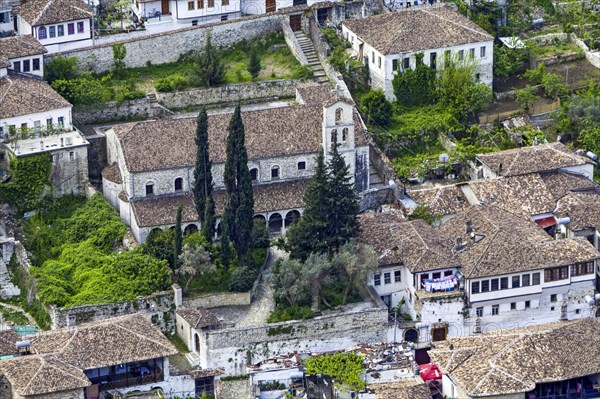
{"x":175,"y":184}
{"x":52,"y":31}
{"x":495,"y":310}
{"x":482,"y":52}
{"x":525,"y":280}
{"x":80,"y":27}
{"x":516,"y":279}
{"x":397,"y":276}
{"x":60,"y":30}
{"x":535,"y":278}
{"x":475,"y":287}
{"x":149,"y":189}
{"x":301,"y":165}
{"x":275,"y":175}
{"x":35,"y":64}
{"x":387,"y":278}
{"x":406,"y":62}
{"x":479,"y":311}
{"x":485,"y":286}
{"x":71,"y":28}
{"x":42,"y":32}
{"x":377,"y":279}
{"x":495,"y":284}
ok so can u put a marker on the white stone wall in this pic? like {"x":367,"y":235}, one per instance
{"x":39,"y":72}
{"x":180,"y":10}
{"x":69,"y":171}
{"x":40,"y":117}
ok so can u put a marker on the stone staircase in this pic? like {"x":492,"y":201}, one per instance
{"x":311,"y":55}
{"x":152,"y":97}
{"x":375,"y":181}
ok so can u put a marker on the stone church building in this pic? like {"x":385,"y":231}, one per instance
{"x":151,"y":163}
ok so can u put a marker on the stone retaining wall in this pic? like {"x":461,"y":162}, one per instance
{"x":220,"y":299}
{"x":113,"y":111}
{"x":229,"y":94}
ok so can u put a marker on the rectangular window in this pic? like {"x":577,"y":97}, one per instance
{"x":553,"y":298}
{"x":436,"y":275}
{"x":448,"y":273}
{"x":472,"y":53}
{"x":556,"y":273}
{"x":191,"y":5}
{"x":495,"y":284}
{"x":377,"y":279}
{"x":71,"y":28}
{"x":211,"y":3}
{"x":495,"y":310}
{"x":397,"y":276}
{"x":23,"y":127}
{"x":485,"y":286}
{"x":52,"y":31}
{"x":37,"y":125}
{"x":149,"y":189}
{"x":432,"y":60}
{"x":17,"y":66}
{"x":482,"y":52}
{"x":479,"y":312}
{"x":387,"y":278}
{"x":26,"y":66}
{"x":516,"y":281}
{"x":61,"y":121}
{"x":525,"y":280}
{"x":42,"y":32}
{"x":224,"y":17}
{"x":71,"y":155}
{"x":79,"y":27}
{"x":583,"y":268}
{"x":61,"y":30}
{"x":373,"y":57}
{"x":194,"y":22}
{"x":394,"y":65}
{"x":49,"y":122}
{"x":301,"y":165}
{"x":461,"y":55}
{"x":36,"y":64}
{"x":513,"y":306}
{"x":378,"y":61}
{"x":527,"y":304}
{"x":535,"y":279}
{"x":406,"y":63}
{"x":4,"y":17}
{"x":475,"y":287}
{"x":224,"y":3}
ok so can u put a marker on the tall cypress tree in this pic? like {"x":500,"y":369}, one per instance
{"x":203,"y":181}
{"x":342,"y":202}
{"x":178,"y":242}
{"x":239,"y":205}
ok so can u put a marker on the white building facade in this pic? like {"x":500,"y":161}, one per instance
{"x":175,"y":14}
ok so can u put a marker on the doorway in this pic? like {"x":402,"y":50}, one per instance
{"x":271,"y":5}
{"x":296,"y":22}
{"x":165,"y":7}
{"x":196,"y":343}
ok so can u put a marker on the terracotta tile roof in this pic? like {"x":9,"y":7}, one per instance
{"x":404,"y":389}
{"x":509,"y":243}
{"x":540,"y":158}
{"x":198,"y":317}
{"x":560,"y":183}
{"x":112,"y":173}
{"x":23,"y":96}
{"x":44,"y":12}
{"x":270,"y":132}
{"x":20,"y":46}
{"x":8,"y":339}
{"x":443,"y":200}
{"x":582,"y":208}
{"x":417,"y":30}
{"x":514,"y":361}
{"x":397,"y":241}
{"x":104,"y":343}
{"x":162,"y":210}
{"x":195,"y":374}
{"x":313,"y":93}
{"x":38,"y":375}
{"x":4,"y":63}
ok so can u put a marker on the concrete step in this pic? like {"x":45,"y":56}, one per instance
{"x":193,"y":358}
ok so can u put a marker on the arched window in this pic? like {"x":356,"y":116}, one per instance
{"x":275,"y":172}
{"x":339,"y":115}
{"x":42,"y":32}
{"x":149,"y":188}
{"x":333,"y":136}
{"x":345,"y":134}
{"x":254,"y":174}
{"x":179,"y":184}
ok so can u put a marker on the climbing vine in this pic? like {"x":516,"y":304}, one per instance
{"x":344,"y":368}
{"x":30,"y":177}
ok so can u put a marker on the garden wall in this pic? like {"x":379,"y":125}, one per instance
{"x":165,"y":47}
{"x":113,"y":111}
{"x":158,"y":307}
{"x":229,"y":94}
{"x":220,"y":299}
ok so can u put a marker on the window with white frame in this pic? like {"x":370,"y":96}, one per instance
{"x":387,"y":278}
{"x":397,"y":276}
{"x":479,"y":312}
{"x":377,"y":279}
{"x":495,"y":310}
{"x":482,"y":51}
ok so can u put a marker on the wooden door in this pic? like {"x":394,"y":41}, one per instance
{"x":271,"y":5}
{"x":296,"y":22}
{"x":165,"y":7}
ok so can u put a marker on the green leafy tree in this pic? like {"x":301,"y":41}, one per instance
{"x":82,"y":90}
{"x":589,"y":138}
{"x":203,"y":180}
{"x":415,"y":87}
{"x":178,"y":240}
{"x":30,"y":180}
{"x":119,"y":53}
{"x":536,"y":75}
{"x":239,"y":202}
{"x":424,"y":213}
{"x":290,"y":287}
{"x":211,"y":67}
{"x":254,"y":66}
{"x":194,"y":261}
{"x":359,"y":261}
{"x":526,"y":97}
{"x":60,"y":68}
{"x":160,"y":244}
{"x":316,"y":273}
{"x":554,"y":86}
{"x":345,"y":368}
{"x":378,"y":108}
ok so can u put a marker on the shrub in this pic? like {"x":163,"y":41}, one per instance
{"x":242,"y":279}
{"x":163,"y":85}
{"x":290,"y":313}
{"x":378,"y":108}
{"x":553,"y":85}
{"x":60,"y":68}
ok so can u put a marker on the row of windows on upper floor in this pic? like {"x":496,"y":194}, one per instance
{"x":37,"y":125}
{"x":26,"y":65}
{"x":494,"y":310}
{"x":275,"y":175}
{"x":59,"y":30}
{"x":199,"y":4}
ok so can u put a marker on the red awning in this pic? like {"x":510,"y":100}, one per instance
{"x":429,"y":372}
{"x":546,"y":222}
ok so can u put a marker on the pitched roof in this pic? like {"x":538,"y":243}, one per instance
{"x":560,"y":183}
{"x":8,"y":339}
{"x":403,"y":389}
{"x":44,"y":12}
{"x":21,"y":95}
{"x":539,"y":158}
{"x":4,"y":63}
{"x":198,"y":317}
{"x":444,"y":200}
{"x":397,"y":241}
{"x":417,"y":30}
{"x":162,"y":210}
{"x":582,"y":208}
{"x":20,"y":46}
{"x":272,"y":132}
{"x":508,"y":243}
{"x":112,"y":173}
{"x":514,"y":361}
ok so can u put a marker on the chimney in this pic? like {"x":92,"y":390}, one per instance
{"x":469,"y":226}
{"x":71,"y":321}
{"x":178,"y":295}
{"x":62,"y":144}
{"x":459,"y":245}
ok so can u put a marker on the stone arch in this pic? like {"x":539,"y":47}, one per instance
{"x":155,"y":230}
{"x":339,"y":115}
{"x":178,"y":184}
{"x":260,"y":217}
{"x":275,"y":172}
{"x":411,"y":335}
{"x":149,"y":188}
{"x":190,"y":229}
{"x":275,"y":223}
{"x":345,"y":134}
{"x":291,"y":217}
{"x":334,"y":135}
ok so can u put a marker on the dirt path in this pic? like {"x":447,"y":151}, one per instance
{"x":19,"y":309}
{"x":263,"y":303}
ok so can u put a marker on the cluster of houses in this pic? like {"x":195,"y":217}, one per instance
{"x":496,"y":299}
